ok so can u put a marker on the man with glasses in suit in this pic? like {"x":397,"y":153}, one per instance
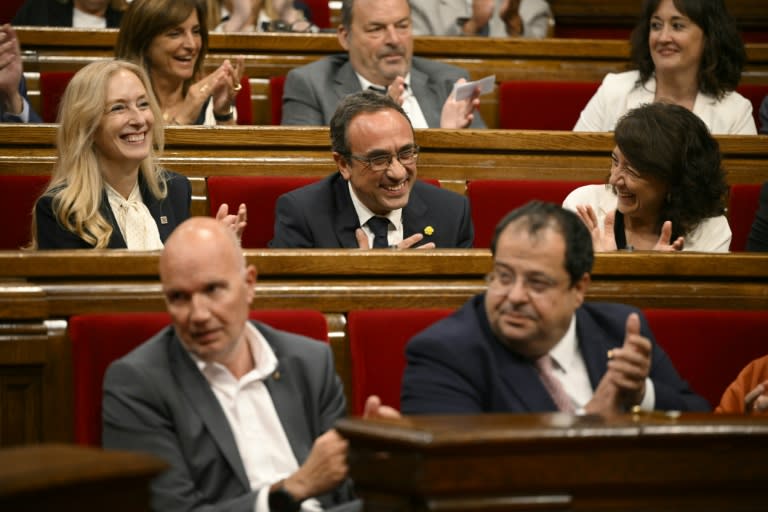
{"x":374,"y":200}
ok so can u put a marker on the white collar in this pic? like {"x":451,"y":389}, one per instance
{"x":364,"y":213}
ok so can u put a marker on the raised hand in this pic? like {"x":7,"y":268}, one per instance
{"x":374,"y":409}
{"x":756,"y":400}
{"x":631,"y":364}
{"x":459,"y":114}
{"x":664,"y":243}
{"x":236,"y":222}
{"x":362,"y":241}
{"x":603,"y":240}
{"x":10,"y":71}
{"x":396,"y":90}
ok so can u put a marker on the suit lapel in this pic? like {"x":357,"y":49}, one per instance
{"x":427,"y":95}
{"x":594,"y":352}
{"x":414,"y":213}
{"x":116,"y":240}
{"x":346,"y":81}
{"x":155,"y":209}
{"x":207,"y":407}
{"x":345,"y":221}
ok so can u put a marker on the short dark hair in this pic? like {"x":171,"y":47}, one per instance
{"x":540,"y":215}
{"x":350,"y":107}
{"x":671,"y":143}
{"x":723,"y":58}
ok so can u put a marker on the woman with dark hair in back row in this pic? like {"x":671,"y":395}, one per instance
{"x":686,"y":52}
{"x":666,"y":189}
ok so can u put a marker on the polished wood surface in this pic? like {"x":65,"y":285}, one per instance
{"x":59,"y":477}
{"x":451,"y":156}
{"x":649,"y":462}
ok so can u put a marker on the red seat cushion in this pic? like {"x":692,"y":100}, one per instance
{"x":17,"y":200}
{"x":243,"y":102}
{"x":276,"y":86}
{"x":377,"y":340}
{"x":259,"y":193}
{"x":321,"y":12}
{"x":99,"y":339}
{"x":743,"y":202}
{"x":491,"y":200}
{"x":710,"y":347}
{"x":52,"y":87}
{"x":537,"y":105}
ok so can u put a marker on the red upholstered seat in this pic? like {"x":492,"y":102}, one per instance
{"x":99,"y":339}
{"x":490,"y":200}
{"x":243,"y":102}
{"x":52,"y":86}
{"x":755,"y":94}
{"x":543,"y":105}
{"x":17,"y":199}
{"x":8,"y":10}
{"x":710,"y":347}
{"x":377,"y":340}
{"x":276,"y":86}
{"x":321,"y":12}
{"x":259,"y":193}
{"x":743,"y":203}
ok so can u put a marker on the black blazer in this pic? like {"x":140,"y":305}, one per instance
{"x":168,"y":213}
{"x":322,"y":215}
{"x":52,"y":13}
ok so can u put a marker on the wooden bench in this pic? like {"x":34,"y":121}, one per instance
{"x":39,"y":291}
{"x":267,"y":55}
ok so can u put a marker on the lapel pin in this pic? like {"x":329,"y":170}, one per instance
{"x":276,"y":375}
{"x":163,"y":219}
{"x":429,"y":230}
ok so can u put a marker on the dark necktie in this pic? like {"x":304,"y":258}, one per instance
{"x":380,"y":227}
{"x":378,"y":89}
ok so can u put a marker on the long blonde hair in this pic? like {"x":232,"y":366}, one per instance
{"x":77,"y":184}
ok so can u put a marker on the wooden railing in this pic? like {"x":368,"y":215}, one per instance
{"x":39,"y":291}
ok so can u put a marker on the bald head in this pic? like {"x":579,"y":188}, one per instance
{"x":196,"y":236}
{"x":208,"y":291}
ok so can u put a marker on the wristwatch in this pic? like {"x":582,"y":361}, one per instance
{"x":280,"y":500}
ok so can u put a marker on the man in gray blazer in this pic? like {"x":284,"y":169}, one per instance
{"x":241,"y":412}
{"x":379,"y":42}
{"x":374,"y":200}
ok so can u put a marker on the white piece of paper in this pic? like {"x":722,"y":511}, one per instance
{"x":465,"y":90}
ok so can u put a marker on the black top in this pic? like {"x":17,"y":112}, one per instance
{"x":54,"y":13}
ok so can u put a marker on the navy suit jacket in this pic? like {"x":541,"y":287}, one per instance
{"x":12,"y":118}
{"x":322,"y":215}
{"x":758,"y":235}
{"x":157,"y":400}
{"x":313,"y":91}
{"x":168,"y":213}
{"x":53,"y":13}
{"x":457,"y":366}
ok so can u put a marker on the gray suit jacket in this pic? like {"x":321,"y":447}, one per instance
{"x":438,"y":18}
{"x":312,"y":92}
{"x":322,"y":215}
{"x":156,"y":400}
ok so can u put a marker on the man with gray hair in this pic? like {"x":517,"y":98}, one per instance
{"x":378,"y":38}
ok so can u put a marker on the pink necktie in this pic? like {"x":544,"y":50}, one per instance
{"x":553,"y":385}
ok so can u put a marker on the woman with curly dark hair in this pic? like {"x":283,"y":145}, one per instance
{"x":686,"y":52}
{"x":666,"y":190}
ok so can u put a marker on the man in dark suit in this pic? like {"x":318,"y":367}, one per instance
{"x":241,"y":412}
{"x":379,"y":42}
{"x":531,"y":344}
{"x":375,"y":191}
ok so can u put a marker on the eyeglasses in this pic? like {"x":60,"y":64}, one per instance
{"x":381,"y":163}
{"x":500,"y":282}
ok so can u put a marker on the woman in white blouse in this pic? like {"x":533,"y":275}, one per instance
{"x":107,"y":189}
{"x":686,"y":52}
{"x":666,"y":189}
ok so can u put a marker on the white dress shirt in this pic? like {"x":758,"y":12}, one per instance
{"x":395,"y":232}
{"x":569,"y":368}
{"x":410,"y":103}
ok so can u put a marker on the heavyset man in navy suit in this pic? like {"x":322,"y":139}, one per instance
{"x":378,"y":38}
{"x":241,"y":412}
{"x":485,"y":357}
{"x":374,"y":149}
